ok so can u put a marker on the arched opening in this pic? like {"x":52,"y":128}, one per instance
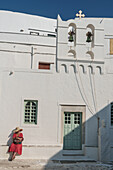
{"x":63,"y":68}
{"x":99,"y":69}
{"x":89,"y":55}
{"x":82,"y":68}
{"x":73,"y":68}
{"x":90,"y":34}
{"x":72,"y":34}
{"x":72,"y":53}
{"x":90,"y":69}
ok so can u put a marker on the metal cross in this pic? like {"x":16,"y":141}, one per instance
{"x":80,"y":14}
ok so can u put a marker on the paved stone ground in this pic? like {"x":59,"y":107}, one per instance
{"x":44,"y":165}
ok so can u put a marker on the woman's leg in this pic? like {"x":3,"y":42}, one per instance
{"x":13,"y":156}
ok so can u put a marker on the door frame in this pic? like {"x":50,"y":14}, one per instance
{"x":73,"y":108}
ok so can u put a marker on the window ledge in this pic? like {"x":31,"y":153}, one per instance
{"x":29,"y":125}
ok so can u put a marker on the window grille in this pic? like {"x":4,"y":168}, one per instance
{"x":30,"y":111}
{"x":112,"y":113}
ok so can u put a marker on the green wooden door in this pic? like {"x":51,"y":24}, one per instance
{"x":72,"y":131}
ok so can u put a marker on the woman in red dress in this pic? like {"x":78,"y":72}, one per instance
{"x":16,"y":146}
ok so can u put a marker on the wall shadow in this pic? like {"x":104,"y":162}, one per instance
{"x":10,"y":138}
{"x":9,"y":142}
{"x":97,"y":134}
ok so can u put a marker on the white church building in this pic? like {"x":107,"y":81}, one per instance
{"x":56,"y":82}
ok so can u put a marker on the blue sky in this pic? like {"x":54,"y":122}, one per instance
{"x":67,"y":9}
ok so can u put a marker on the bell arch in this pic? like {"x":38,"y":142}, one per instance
{"x":90,"y":34}
{"x":72,"y":34}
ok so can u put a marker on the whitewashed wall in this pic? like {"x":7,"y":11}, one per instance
{"x":95,"y":86}
{"x":20,"y":54}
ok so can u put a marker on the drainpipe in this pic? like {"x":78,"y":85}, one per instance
{"x":98,"y":132}
{"x":31,"y":57}
{"x":57,"y":47}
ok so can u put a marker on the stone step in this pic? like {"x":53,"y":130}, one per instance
{"x":70,"y":161}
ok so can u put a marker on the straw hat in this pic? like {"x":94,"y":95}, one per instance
{"x":17,"y":129}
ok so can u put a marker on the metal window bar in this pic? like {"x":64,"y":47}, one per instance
{"x":30,"y":112}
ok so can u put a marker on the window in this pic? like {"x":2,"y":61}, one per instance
{"x":30,"y":111}
{"x":34,"y":33}
{"x":51,"y":35}
{"x":44,"y":66}
{"x":112,"y":113}
{"x":111,"y":46}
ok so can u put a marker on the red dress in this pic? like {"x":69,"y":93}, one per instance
{"x":16,"y":147}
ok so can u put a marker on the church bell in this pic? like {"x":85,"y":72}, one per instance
{"x":71,"y":38}
{"x":89,"y":37}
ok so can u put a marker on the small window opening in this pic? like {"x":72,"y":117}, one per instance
{"x":45,"y":66}
{"x":34,"y":33}
{"x":111,"y":46}
{"x":51,"y":35}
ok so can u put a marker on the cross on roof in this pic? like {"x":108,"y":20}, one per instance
{"x":80,"y":14}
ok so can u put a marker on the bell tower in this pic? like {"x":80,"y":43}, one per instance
{"x":80,"y":40}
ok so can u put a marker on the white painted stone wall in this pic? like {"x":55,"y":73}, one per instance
{"x":94,"y":88}
{"x":20,"y":79}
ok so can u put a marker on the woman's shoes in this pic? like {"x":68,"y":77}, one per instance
{"x":13,"y":158}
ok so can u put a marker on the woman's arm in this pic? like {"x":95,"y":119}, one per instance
{"x":21,"y":137}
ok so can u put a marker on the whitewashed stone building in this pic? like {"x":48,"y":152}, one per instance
{"x":56,"y":82}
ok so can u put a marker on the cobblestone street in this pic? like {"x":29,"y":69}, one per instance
{"x":44,"y":165}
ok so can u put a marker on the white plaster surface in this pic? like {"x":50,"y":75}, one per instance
{"x":20,"y":54}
